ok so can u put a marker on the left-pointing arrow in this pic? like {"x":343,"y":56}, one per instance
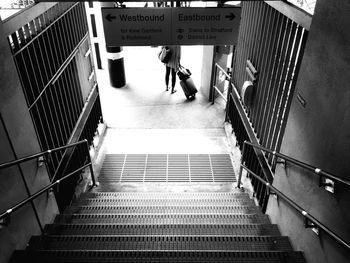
{"x":109,"y":17}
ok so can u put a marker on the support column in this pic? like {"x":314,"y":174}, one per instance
{"x":115,"y":60}
{"x":116,"y":66}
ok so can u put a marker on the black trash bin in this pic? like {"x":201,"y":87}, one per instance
{"x":116,"y":66}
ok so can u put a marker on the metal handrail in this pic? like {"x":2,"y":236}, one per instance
{"x":308,"y":218}
{"x":215,"y":88}
{"x":37,"y":155}
{"x":309,"y":167}
{"x":4,"y":216}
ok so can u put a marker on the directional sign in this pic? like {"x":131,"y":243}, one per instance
{"x":167,"y":26}
{"x":136,"y":26}
{"x":206,"y":26}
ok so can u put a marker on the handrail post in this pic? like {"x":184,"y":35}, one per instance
{"x":213,"y":85}
{"x":240,"y":167}
{"x":90,"y":162}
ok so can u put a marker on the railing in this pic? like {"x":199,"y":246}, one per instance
{"x":5,"y":215}
{"x":310,"y":221}
{"x":254,"y":158}
{"x":275,"y":155}
{"x":214,"y":87}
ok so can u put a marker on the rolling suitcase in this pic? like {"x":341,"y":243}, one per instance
{"x":189,"y":88}
{"x":186,"y":82}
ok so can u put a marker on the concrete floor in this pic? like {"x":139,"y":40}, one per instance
{"x":143,"y":118}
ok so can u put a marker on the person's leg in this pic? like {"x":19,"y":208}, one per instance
{"x":167,"y":74}
{"x":173,"y":80}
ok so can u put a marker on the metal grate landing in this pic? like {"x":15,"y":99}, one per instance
{"x":167,"y":168}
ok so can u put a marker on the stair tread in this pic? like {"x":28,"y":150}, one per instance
{"x":164,"y":219}
{"x":165,"y":229}
{"x":163,"y":209}
{"x":161,"y":243}
{"x":54,"y":256}
{"x":162,"y":202}
{"x":172,"y":195}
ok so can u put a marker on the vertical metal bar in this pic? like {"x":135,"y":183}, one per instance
{"x":293,"y":83}
{"x":275,"y":75}
{"x":240,"y":167}
{"x":57,"y":38}
{"x":73,"y":25}
{"x":292,"y":54}
{"x":65,"y":89}
{"x":63,"y":40}
{"x":277,"y":46}
{"x":60,"y":113}
{"x":53,"y":47}
{"x":46,"y":56}
{"x":212,"y":89}
{"x":60,"y":91}
{"x":262,"y":89}
{"x":16,"y":45}
{"x":79,"y":101}
{"x":72,"y":86}
{"x":268,"y":66}
{"x":67,"y":33}
{"x":79,"y":22}
{"x":244,"y":42}
{"x":282,"y":73}
{"x":71,"y":92}
{"x":240,"y":45}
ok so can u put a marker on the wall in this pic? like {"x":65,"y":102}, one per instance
{"x":207,"y":67}
{"x":319,"y":134}
{"x":18,"y":139}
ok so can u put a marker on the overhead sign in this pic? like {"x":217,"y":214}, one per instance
{"x":170,"y":26}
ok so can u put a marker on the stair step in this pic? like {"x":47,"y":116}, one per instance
{"x":161,"y":256}
{"x":149,"y":230}
{"x":165,"y":202}
{"x":114,"y":209}
{"x":163,"y":219}
{"x":166,"y":195}
{"x":161,"y":243}
{"x":155,"y":256}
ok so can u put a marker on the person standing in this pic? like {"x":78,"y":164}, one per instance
{"x":172,"y":66}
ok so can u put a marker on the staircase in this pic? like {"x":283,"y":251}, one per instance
{"x":161,"y":226}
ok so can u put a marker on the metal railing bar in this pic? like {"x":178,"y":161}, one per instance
{"x":38,"y":193}
{"x":46,"y":28}
{"x":298,"y":208}
{"x":300,"y":163}
{"x":59,"y":71}
{"x":220,"y":93}
{"x":224,"y":71}
{"x":250,"y":132}
{"x":215,"y":88}
{"x":33,"y":156}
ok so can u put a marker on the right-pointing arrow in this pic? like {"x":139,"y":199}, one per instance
{"x":231,"y":16}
